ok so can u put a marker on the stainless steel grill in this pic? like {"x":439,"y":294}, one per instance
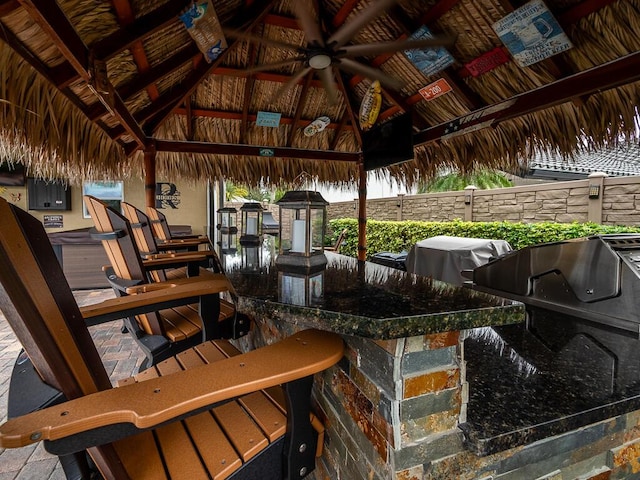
{"x":595,"y":278}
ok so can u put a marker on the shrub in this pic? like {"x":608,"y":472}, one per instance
{"x":387,"y":236}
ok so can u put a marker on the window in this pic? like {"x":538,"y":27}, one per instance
{"x":110,"y":193}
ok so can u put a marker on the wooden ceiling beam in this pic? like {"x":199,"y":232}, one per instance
{"x":301,"y":103}
{"x":53,"y":21}
{"x":351,"y":106}
{"x":126,"y":17}
{"x":281,"y":21}
{"x":345,"y":10}
{"x":252,"y":117}
{"x":155,"y":73}
{"x":597,"y":79}
{"x":339,"y":130}
{"x":158,"y":111}
{"x":8,"y":6}
{"x":252,"y":150}
{"x":248,"y":92}
{"x":143,"y":27}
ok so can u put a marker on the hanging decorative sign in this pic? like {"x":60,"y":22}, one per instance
{"x":370,"y":106}
{"x":267,"y":152}
{"x":268,"y":119}
{"x":318,"y":125}
{"x":430,"y":60}
{"x":204,"y":27}
{"x":531,"y":33}
{"x":487,"y":62}
{"x":435,"y":89}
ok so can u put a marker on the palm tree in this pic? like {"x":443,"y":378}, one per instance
{"x":483,"y":179}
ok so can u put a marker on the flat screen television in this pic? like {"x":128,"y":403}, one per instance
{"x":389,"y":143}
{"x":12,"y":175}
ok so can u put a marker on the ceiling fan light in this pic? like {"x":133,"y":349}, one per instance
{"x":320,"y":61}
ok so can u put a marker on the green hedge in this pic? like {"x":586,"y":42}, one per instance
{"x":399,"y":236}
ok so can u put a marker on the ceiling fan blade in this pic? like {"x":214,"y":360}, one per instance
{"x":329,"y":83}
{"x":308,"y":22}
{"x":237,"y":34}
{"x":274,"y":65}
{"x":369,"y":72}
{"x":349,"y":29}
{"x":373,"y":49}
{"x":290,"y":83}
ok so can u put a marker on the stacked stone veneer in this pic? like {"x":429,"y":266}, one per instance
{"x":618,"y":204}
{"x":391,"y":409}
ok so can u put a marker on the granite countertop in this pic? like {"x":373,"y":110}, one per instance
{"x":361,"y":298}
{"x":555,"y":374}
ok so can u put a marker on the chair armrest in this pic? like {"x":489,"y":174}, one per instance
{"x":157,"y":296}
{"x":171,"y":260}
{"x":150,"y":403}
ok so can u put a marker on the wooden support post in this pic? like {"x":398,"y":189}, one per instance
{"x":150,"y":177}
{"x":362,"y":212}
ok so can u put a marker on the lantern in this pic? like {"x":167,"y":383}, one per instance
{"x":227,"y":229}
{"x":251,"y":223}
{"x":303,"y":218}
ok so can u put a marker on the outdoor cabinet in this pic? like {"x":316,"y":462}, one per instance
{"x":48,"y":195}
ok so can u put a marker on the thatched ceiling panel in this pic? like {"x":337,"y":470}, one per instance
{"x":157,"y":95}
{"x":92,"y":20}
{"x":166,"y":42}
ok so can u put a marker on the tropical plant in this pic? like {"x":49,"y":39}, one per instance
{"x":233,"y":191}
{"x":483,"y":179}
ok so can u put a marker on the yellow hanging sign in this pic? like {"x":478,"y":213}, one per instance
{"x":370,"y":107}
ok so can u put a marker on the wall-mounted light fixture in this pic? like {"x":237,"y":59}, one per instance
{"x":594,"y":191}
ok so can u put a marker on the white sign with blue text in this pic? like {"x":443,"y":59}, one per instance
{"x":531,"y":33}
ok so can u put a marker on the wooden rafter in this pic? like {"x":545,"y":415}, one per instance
{"x":52,"y":20}
{"x":301,"y":103}
{"x":126,"y":17}
{"x":137,"y":31}
{"x":341,"y":127}
{"x":597,"y":79}
{"x":165,"y":105}
{"x":248,"y":92}
{"x":351,"y":106}
{"x":252,"y":117}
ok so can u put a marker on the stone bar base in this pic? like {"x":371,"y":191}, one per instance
{"x":392,"y":409}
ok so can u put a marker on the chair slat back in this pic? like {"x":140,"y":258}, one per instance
{"x":143,"y":233}
{"x":159,"y":224}
{"x":39,"y":305}
{"x":121,"y":249}
{"x":123,"y":253}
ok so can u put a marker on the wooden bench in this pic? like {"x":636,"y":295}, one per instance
{"x":210,"y":412}
{"x":163,"y":333}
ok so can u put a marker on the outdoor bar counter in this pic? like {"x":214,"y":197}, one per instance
{"x":445,"y":382}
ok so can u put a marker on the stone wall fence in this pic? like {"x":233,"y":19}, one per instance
{"x":598,"y":198}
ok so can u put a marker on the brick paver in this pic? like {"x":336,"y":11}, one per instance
{"x":121,"y":357}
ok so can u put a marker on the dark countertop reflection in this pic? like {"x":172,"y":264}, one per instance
{"x":555,"y":374}
{"x":361,"y":298}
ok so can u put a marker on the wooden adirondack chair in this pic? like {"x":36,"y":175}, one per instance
{"x":163,"y":234}
{"x":202,"y":414}
{"x":148,"y":246}
{"x":166,"y":332}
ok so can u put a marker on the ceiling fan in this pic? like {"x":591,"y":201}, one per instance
{"x":323,"y":54}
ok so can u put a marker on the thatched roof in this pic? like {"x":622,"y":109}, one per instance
{"x":89,"y":85}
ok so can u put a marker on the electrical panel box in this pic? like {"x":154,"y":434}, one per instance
{"x":51,"y":195}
